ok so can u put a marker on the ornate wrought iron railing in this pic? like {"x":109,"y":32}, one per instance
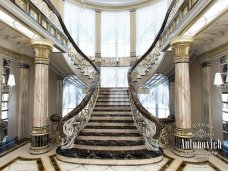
{"x":71,"y":124}
{"x":44,"y":12}
{"x":149,"y":126}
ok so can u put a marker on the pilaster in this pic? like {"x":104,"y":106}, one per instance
{"x":23,"y":101}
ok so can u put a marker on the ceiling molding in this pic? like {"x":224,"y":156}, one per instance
{"x":9,"y":54}
{"x":214,"y":53}
{"x":115,"y":7}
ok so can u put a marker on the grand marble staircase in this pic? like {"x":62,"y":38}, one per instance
{"x":110,"y":137}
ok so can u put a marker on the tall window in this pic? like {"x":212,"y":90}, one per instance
{"x":157,"y":102}
{"x":148,"y":23}
{"x":72,"y":96}
{"x":115,"y":34}
{"x":114,"y":76}
{"x":81,"y":25}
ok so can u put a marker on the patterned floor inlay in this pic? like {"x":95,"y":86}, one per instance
{"x":23,"y":164}
{"x":54,"y":163}
{"x":49,"y":162}
{"x":205,"y":165}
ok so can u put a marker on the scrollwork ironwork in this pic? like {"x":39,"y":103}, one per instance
{"x":73,"y":126}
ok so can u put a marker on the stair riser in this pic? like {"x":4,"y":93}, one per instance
{"x":111,"y":130}
{"x":106,"y":138}
{"x":113,"y":112}
{"x":111,"y":118}
{"x":110,"y":148}
{"x":109,"y":124}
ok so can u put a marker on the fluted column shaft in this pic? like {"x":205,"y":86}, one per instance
{"x":40,"y":131}
{"x":182,"y":132}
{"x":23,"y":101}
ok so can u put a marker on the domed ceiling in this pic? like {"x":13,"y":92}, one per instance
{"x":115,"y":2}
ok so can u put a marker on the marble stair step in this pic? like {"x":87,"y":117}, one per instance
{"x":113,"y":112}
{"x":113,"y":89}
{"x":109,"y":124}
{"x":109,"y":134}
{"x":103,"y":117}
{"x":113,"y":93}
{"x":113,"y":100}
{"x":112,"y":108}
{"x":112,"y":115}
{"x":110,"y":148}
{"x":110,"y":138}
{"x":110,"y":127}
{"x":111,"y":121}
{"x":109,"y":143}
{"x":99,"y":157}
{"x":112,"y":104}
{"x":110,"y":130}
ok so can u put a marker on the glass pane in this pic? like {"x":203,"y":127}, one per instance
{"x":5,"y":97}
{"x":81,"y":25}
{"x":4,"y":114}
{"x":115,"y":30}
{"x":148,"y":23}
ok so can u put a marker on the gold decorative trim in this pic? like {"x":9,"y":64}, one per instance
{"x":185,"y":133}
{"x":16,"y":56}
{"x":214,"y":53}
{"x":181,"y":46}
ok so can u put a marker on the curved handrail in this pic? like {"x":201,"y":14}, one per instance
{"x":95,"y":82}
{"x":132,"y":90}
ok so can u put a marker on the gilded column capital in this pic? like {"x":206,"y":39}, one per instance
{"x":42,"y":49}
{"x":181,"y":47}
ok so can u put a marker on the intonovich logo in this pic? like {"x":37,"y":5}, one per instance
{"x":203,"y":142}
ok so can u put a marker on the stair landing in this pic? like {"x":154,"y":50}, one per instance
{"x":110,"y":137}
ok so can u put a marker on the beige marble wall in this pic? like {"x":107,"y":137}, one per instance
{"x":52,"y":90}
{"x":196,"y":91}
{"x":13,"y":103}
{"x":216,"y":108}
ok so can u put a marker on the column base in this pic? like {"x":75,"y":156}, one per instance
{"x":40,"y":140}
{"x":41,"y":150}
{"x":183,"y":142}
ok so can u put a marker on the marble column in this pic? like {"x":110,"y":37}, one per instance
{"x":40,"y":132}
{"x":22,"y":128}
{"x":206,"y":84}
{"x":1,"y":70}
{"x":59,"y":100}
{"x":98,"y":40}
{"x":132,"y":37}
{"x":183,"y":131}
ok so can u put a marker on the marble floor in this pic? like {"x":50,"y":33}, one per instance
{"x":19,"y":159}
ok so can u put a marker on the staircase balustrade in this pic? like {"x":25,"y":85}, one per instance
{"x":148,"y":125}
{"x":152,"y":129}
